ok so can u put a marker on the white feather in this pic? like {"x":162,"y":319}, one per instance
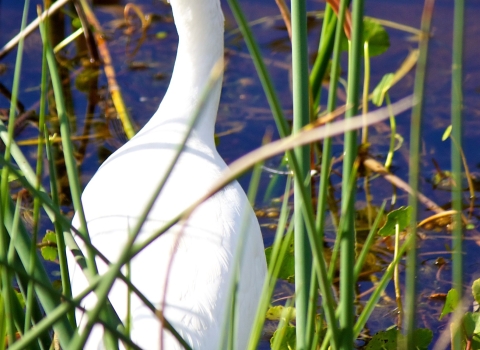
{"x":188,"y":269}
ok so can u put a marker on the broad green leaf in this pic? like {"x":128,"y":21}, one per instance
{"x":275,"y":313}
{"x":12,"y":176}
{"x":393,"y":339}
{"x":450,"y":303}
{"x":471,"y":324}
{"x":378,"y":93}
{"x":400,"y":216}
{"x":288,"y":336}
{"x":377,"y":37}
{"x":384,"y":340}
{"x":375,"y":34}
{"x":287,"y":270}
{"x":422,"y":338}
{"x":49,"y":252}
{"x":476,"y":290}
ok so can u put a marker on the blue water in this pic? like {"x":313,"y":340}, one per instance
{"x":244,"y":107}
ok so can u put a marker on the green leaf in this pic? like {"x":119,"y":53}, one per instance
{"x":476,"y":290}
{"x":375,"y":34}
{"x":13,"y":176}
{"x":288,"y":338}
{"x":287,"y":270}
{"x":49,"y":251}
{"x":422,"y":338}
{"x":377,"y":37}
{"x":471,"y":324}
{"x":450,"y":303}
{"x":393,"y":339}
{"x":379,"y":92}
{"x":275,"y":313}
{"x":384,"y":340}
{"x":21,"y":299}
{"x":447,"y":132}
{"x":400,"y":216}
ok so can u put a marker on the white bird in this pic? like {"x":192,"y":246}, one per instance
{"x":199,"y":266}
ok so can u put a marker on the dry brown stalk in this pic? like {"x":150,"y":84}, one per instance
{"x":113,"y":87}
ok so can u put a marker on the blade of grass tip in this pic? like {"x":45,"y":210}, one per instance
{"x":456,"y":158}
{"x":347,"y":243}
{"x":275,"y":260}
{"x":393,"y":132}
{"x":413,"y":175}
{"x":301,"y":117}
{"x":366,"y":88}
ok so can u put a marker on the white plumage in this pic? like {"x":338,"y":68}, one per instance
{"x":194,"y":284}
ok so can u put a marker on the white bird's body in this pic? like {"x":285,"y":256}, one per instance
{"x":187,"y":271}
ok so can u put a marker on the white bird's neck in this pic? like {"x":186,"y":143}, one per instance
{"x":200,"y":26}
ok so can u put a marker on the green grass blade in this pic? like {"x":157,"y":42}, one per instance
{"x":274,"y":265}
{"x":325,"y":49}
{"x":301,"y":117}
{"x":456,"y":158}
{"x":414,"y":166}
{"x":70,"y":162}
{"x":347,"y":243}
{"x":262,"y":71}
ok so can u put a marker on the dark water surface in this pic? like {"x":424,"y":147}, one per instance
{"x":244,"y":116}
